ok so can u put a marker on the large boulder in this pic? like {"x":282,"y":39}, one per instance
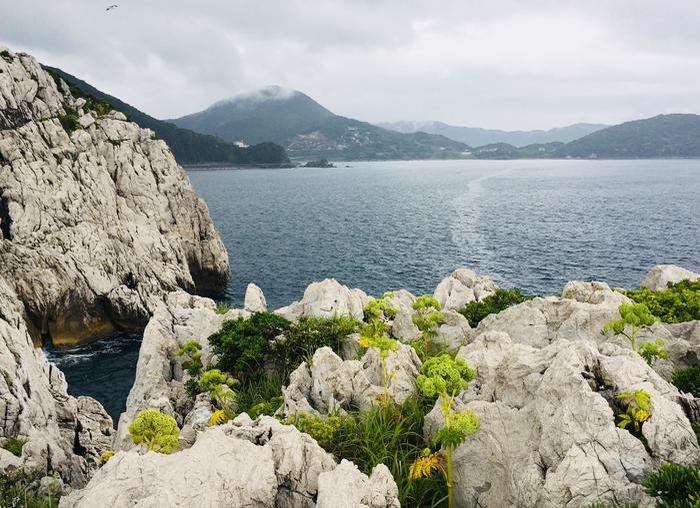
{"x":331,"y":384}
{"x":659,"y":276}
{"x":461,"y":287}
{"x":260,"y":463}
{"x":581,"y":313}
{"x":327,"y":298}
{"x":97,"y":220}
{"x":254,"y":299}
{"x":64,"y":435}
{"x":548,"y":433}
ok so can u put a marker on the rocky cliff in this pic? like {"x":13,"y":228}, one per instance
{"x":97,"y":224}
{"x":97,"y":220}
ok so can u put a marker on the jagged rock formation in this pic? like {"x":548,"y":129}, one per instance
{"x":548,"y":435}
{"x":97,"y":220}
{"x":332,"y":384}
{"x":64,"y":434}
{"x":325,"y":299}
{"x":659,"y":276}
{"x":461,"y":287}
{"x":243,"y":463}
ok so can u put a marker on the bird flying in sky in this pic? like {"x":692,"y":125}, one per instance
{"x":114,"y":6}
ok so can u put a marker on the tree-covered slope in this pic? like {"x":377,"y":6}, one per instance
{"x":187,"y":146}
{"x":307,"y":129}
{"x":676,"y":135}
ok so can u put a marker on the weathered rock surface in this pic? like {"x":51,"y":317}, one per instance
{"x":332,"y":384}
{"x":159,"y":374}
{"x":581,"y":313}
{"x":95,"y":224}
{"x":65,"y":435}
{"x":659,"y":276}
{"x":254,"y":299}
{"x":548,"y":435}
{"x":348,"y":487}
{"x":247,"y":463}
{"x":461,"y":287}
{"x":327,"y":298}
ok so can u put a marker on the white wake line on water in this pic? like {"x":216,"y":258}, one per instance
{"x":465,"y":233}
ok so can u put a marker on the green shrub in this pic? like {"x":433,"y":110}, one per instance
{"x":301,"y":340}
{"x":14,"y":446}
{"x":244,"y":345}
{"x":688,"y":380}
{"x":675,"y":486}
{"x":101,"y":108}
{"x":69,"y":119}
{"x":680,"y":302}
{"x":260,"y":394}
{"x":158,"y":431}
{"x":20,"y":488}
{"x":634,"y":317}
{"x":493,"y":304}
{"x":389,"y":434}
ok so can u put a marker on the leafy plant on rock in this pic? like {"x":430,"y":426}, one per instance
{"x":638,"y":409}
{"x":373,"y":335}
{"x":427,"y":318}
{"x":688,"y":380}
{"x":445,"y":377}
{"x":219,"y":385}
{"x":633,"y":318}
{"x":14,"y":446}
{"x":158,"y":431}
{"x":679,"y":303}
{"x":476,"y":311}
{"x":104,"y":458}
{"x":675,"y":486}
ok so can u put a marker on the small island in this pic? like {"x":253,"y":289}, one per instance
{"x":320,"y":163}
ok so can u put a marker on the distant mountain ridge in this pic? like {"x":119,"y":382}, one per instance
{"x":187,"y":146}
{"x":475,"y":136}
{"x":307,"y":129}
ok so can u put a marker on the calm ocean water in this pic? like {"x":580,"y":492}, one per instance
{"x":386,"y":225}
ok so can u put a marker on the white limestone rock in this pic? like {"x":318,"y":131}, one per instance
{"x":95,"y":225}
{"x":327,"y":298}
{"x":65,"y":435}
{"x":331,"y":384}
{"x":580,"y":314}
{"x":659,"y":276}
{"x":548,"y":435}
{"x":348,"y":487}
{"x":254,"y":299}
{"x":461,"y":287}
{"x":260,"y":463}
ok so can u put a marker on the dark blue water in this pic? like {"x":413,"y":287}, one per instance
{"x":105,"y":369}
{"x":386,"y":225}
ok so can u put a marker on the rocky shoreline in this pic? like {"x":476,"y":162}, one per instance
{"x":100,"y":229}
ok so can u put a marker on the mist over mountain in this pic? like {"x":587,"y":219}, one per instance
{"x":307,"y":129}
{"x":475,"y":136}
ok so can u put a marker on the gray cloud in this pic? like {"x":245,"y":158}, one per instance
{"x":501,"y":64}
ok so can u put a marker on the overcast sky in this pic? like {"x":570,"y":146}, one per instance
{"x":497,"y":64}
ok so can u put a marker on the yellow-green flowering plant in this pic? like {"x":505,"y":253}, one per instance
{"x":427,"y":318}
{"x":158,"y":431}
{"x":445,"y":377}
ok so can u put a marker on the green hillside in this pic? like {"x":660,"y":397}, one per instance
{"x":308,"y":130}
{"x":187,"y":146}
{"x":662,"y":136}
